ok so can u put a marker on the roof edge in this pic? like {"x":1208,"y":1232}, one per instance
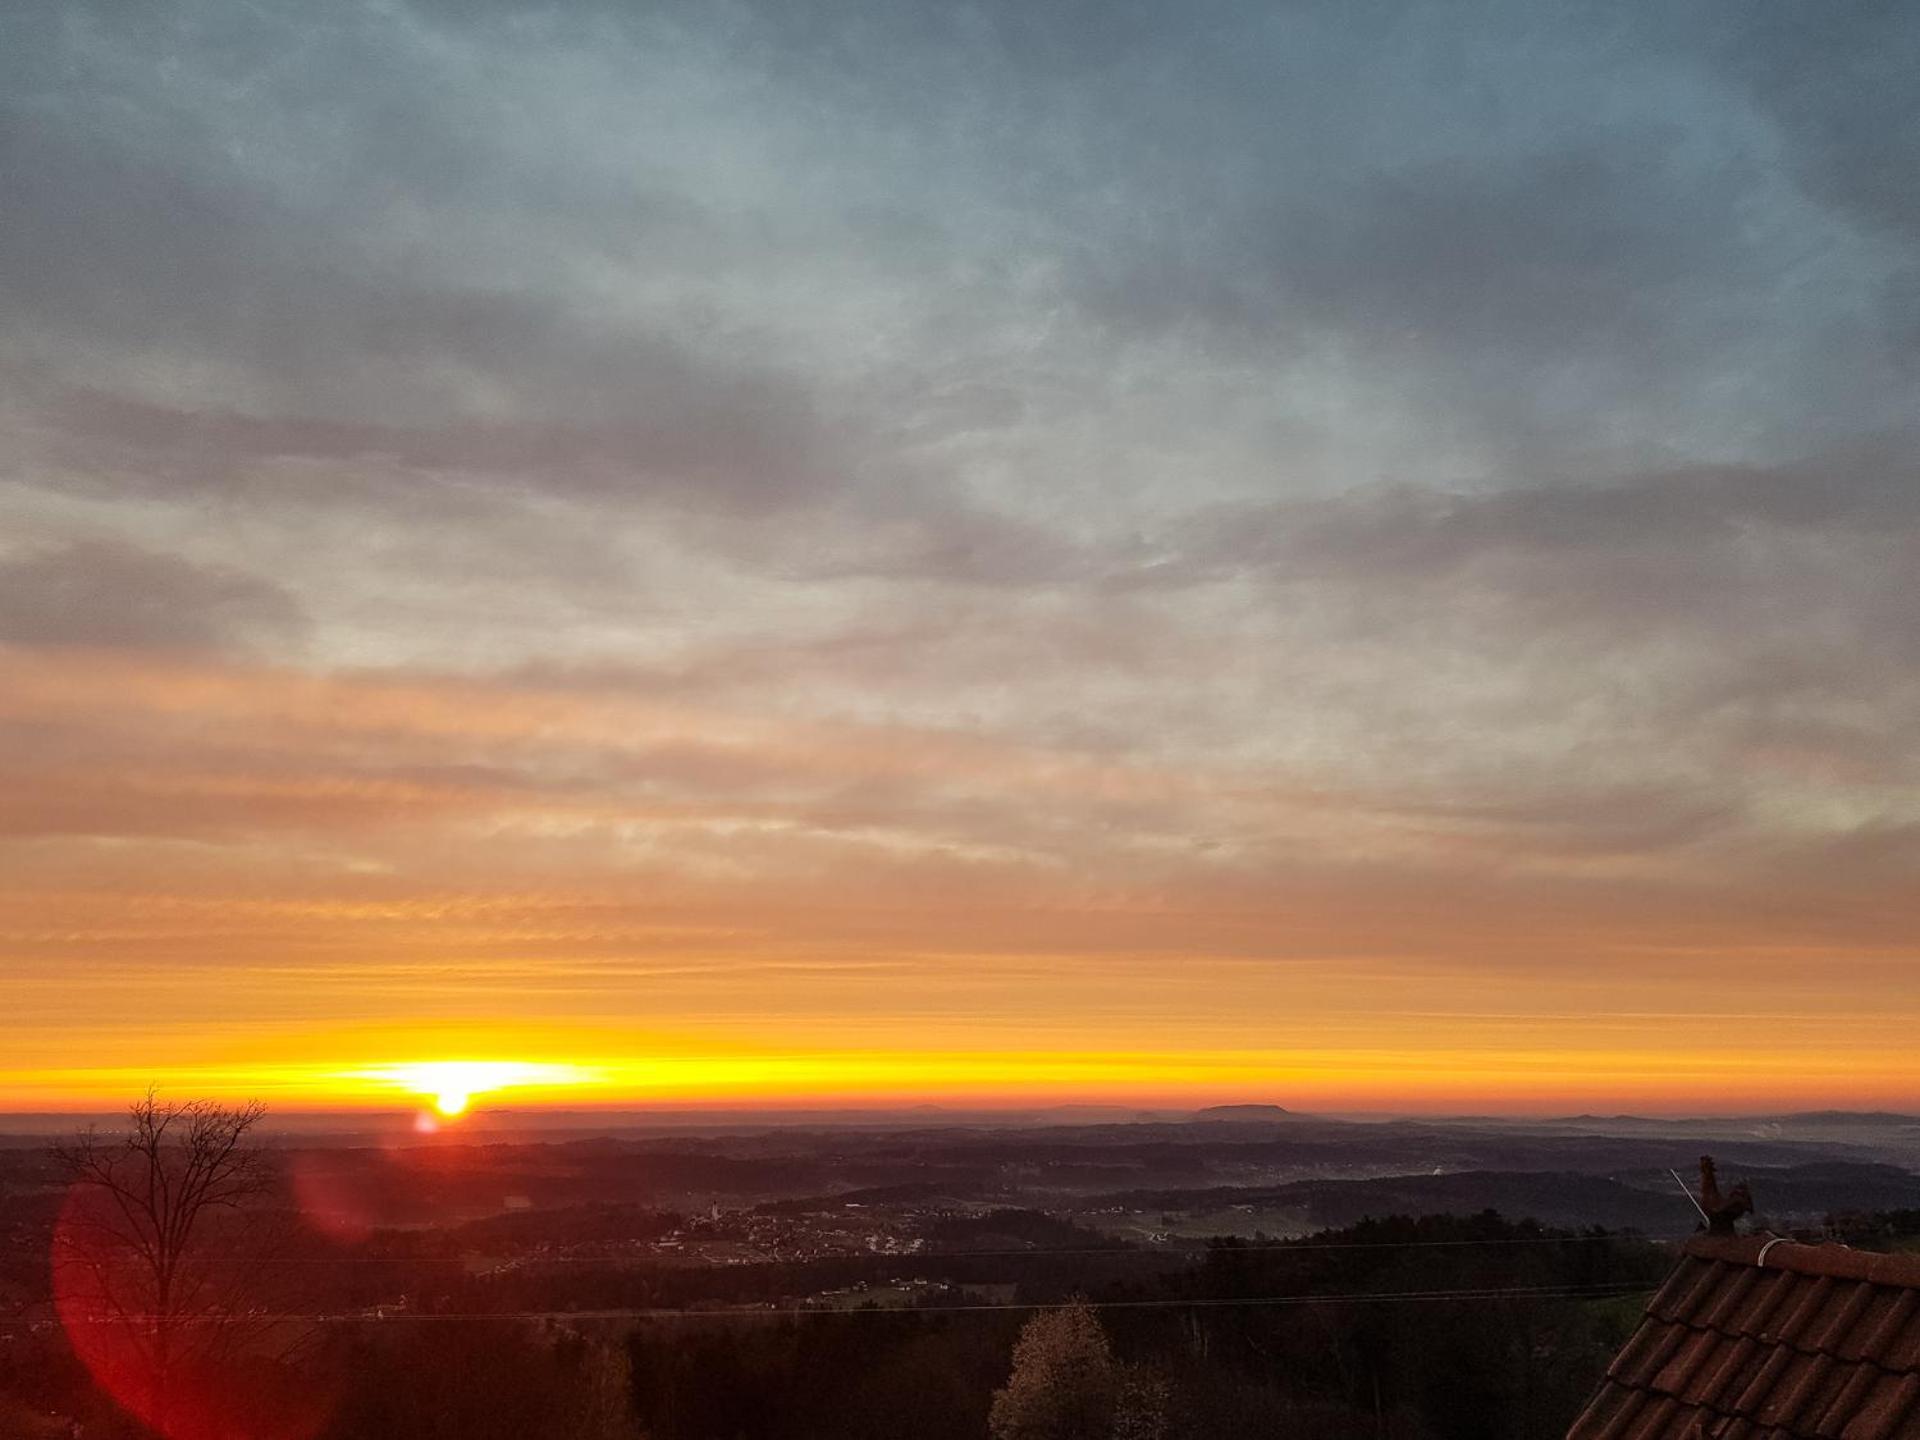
{"x":1841,"y":1262}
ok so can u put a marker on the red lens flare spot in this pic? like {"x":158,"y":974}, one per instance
{"x":333,"y":1194}
{"x":200,"y":1363}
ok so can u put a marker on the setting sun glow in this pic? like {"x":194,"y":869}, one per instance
{"x":452,"y":1084}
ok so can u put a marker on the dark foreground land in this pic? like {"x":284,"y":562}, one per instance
{"x":1252,"y":1273}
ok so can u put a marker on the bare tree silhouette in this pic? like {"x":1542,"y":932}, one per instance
{"x":135,"y":1234}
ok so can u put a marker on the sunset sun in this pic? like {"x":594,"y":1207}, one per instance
{"x":450,"y":1086}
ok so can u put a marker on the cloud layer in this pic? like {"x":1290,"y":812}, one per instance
{"x":625,"y":517}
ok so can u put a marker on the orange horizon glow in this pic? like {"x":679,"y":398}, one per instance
{"x":1401,"y":1081}
{"x":1376,"y":965}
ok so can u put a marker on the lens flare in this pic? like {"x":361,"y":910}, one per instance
{"x":215,"y":1383}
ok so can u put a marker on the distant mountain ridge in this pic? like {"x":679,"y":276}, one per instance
{"x":1244,"y":1112}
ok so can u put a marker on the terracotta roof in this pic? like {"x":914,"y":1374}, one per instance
{"x":1753,"y":1338}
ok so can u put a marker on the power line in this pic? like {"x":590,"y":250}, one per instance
{"x":1540,"y":1292}
{"x":1200,"y":1251}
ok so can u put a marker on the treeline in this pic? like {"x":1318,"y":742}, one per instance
{"x":1897,"y":1229}
{"x":1516,"y":1361}
{"x":1349,"y":1334}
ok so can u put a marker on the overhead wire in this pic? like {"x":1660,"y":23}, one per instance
{"x":1477,"y":1293}
{"x":1208,"y":1245}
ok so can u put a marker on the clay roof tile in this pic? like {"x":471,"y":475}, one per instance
{"x":1756,"y":1338}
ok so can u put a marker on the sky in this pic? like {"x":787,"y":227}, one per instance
{"x":1353,"y":555}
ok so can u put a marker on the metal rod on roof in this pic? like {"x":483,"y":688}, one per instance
{"x":1692,"y":1199}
